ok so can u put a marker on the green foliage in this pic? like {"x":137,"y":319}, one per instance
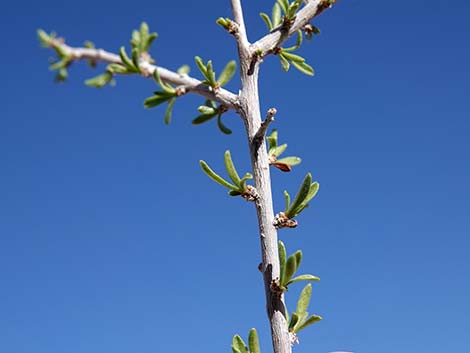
{"x":239,"y":346}
{"x":168,"y":95}
{"x":208,"y":112}
{"x":209,"y":73}
{"x":238,"y":186}
{"x":300,"y":319}
{"x":142,"y":39}
{"x":287,"y":58}
{"x":289,"y":266}
{"x":307,"y":191}
{"x":274,"y":151}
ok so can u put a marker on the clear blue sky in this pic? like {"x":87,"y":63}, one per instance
{"x":113,"y":240}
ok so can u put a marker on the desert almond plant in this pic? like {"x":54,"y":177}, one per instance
{"x":287,"y":19}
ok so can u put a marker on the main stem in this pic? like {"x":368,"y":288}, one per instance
{"x":249,"y":110}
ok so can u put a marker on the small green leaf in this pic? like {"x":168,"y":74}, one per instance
{"x":293,"y":320}
{"x":272,"y":139}
{"x":200,"y":65}
{"x":300,"y":197}
{"x":238,"y":345}
{"x":290,"y":160}
{"x":284,"y":63}
{"x":126,"y":60}
{"x":277,"y":151}
{"x":287,"y":197}
{"x":304,"y":299}
{"x":253,"y":341}
{"x":292,"y":57}
{"x":100,"y":80}
{"x":217,"y":178}
{"x":157,"y":99}
{"x":165,"y":86}
{"x":303,"y":278}
{"x":310,"y":321}
{"x":204,"y":109}
{"x":304,"y":67}
{"x":243,"y":181}
{"x":232,"y":172}
{"x":44,"y":38}
{"x":234,"y":193}
{"x":298,"y":257}
{"x":210,"y":74}
{"x":291,"y":267}
{"x":168,"y":111}
{"x":62,"y":75}
{"x":227,"y":73}
{"x":266,"y":20}
{"x":117,"y":69}
{"x":276,"y":15}
{"x":135,"y":58}
{"x":284,"y":4}
{"x":222,"y":127}
{"x":184,"y":70}
{"x":282,"y":261}
{"x":61,"y":64}
{"x":203,"y":118}
{"x":297,"y":43}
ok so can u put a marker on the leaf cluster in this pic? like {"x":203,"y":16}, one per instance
{"x":209,"y":111}
{"x":288,"y":58}
{"x":238,"y":186}
{"x":208,"y":72}
{"x":300,"y":318}
{"x":289,"y":266}
{"x":140,"y":45}
{"x":168,"y":94}
{"x":283,"y":13}
{"x":63,"y":59}
{"x":239,"y":346}
{"x":307,"y":192}
{"x":275,"y":150}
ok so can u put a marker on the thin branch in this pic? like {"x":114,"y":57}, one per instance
{"x":191,"y":84}
{"x":278,"y":36}
{"x":238,"y":17}
{"x":261,"y":133}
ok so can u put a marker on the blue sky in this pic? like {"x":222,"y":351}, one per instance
{"x":112,"y":239}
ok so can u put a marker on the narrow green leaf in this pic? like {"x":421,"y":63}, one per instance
{"x":300,"y":197}
{"x":287,"y":197}
{"x":266,"y":20}
{"x":100,"y":80}
{"x":276,"y":15}
{"x":222,"y":127}
{"x":210,"y":73}
{"x":44,"y":38}
{"x":297,"y":43}
{"x":232,"y":172}
{"x":310,"y":321}
{"x":291,"y":267}
{"x":303,"y":278}
{"x":292,"y":57}
{"x":234,"y":193}
{"x":302,"y":317}
{"x":294,"y":6}
{"x":203,"y":118}
{"x":61,"y":64}
{"x":239,"y":345}
{"x":272,"y":139}
{"x":293,"y":320}
{"x":314,"y":187}
{"x":304,"y":299}
{"x":150,"y":40}
{"x":184,"y":70}
{"x":204,"y":109}
{"x":165,"y":86}
{"x":290,"y":160}
{"x":284,"y":63}
{"x":277,"y":151}
{"x":118,"y":69}
{"x":284,"y":4}
{"x":62,"y":75}
{"x":282,"y":261}
{"x":298,"y":257}
{"x":157,"y":99}
{"x":253,"y":341}
{"x":201,"y":66}
{"x":227,"y":73}
{"x":126,"y":60}
{"x":304,"y":67}
{"x":168,"y":111}
{"x":243,"y":181}
{"x":135,"y":58}
{"x":217,"y":178}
